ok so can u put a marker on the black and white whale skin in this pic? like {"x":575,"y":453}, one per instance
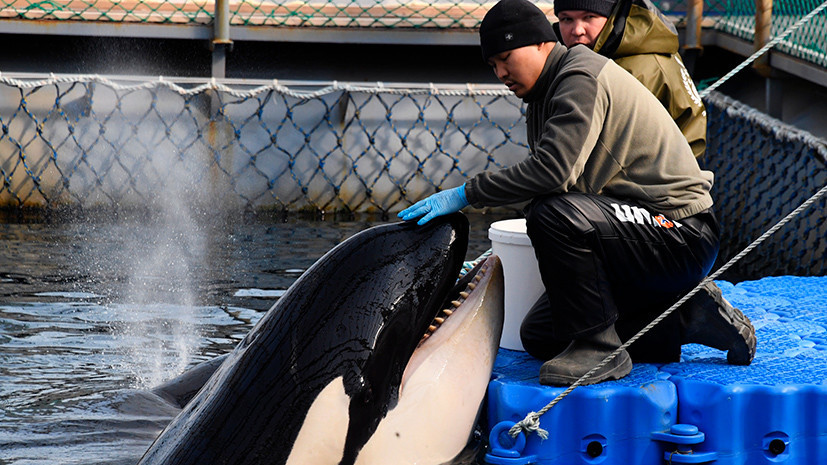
{"x":314,"y":381}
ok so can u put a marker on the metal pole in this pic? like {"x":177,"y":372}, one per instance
{"x":221,"y":42}
{"x":694,"y":17}
{"x":692,"y":41}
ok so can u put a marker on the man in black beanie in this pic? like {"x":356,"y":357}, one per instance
{"x":581,"y":21}
{"x":619,"y":216}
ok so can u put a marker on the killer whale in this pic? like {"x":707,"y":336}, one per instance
{"x":316,"y":378}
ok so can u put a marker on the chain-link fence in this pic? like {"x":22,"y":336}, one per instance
{"x":88,"y":142}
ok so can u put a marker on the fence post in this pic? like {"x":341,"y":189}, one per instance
{"x":773,"y":86}
{"x":692,"y":39}
{"x":221,"y":42}
{"x":763,"y":24}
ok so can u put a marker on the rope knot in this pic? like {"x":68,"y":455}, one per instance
{"x":529,"y":424}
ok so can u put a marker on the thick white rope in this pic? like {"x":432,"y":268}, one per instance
{"x":430,"y":88}
{"x":213,"y":84}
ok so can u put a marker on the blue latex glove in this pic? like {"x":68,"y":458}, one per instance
{"x":441,"y":203}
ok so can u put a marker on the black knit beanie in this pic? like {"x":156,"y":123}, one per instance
{"x":513,"y":24}
{"x":601,"y":7}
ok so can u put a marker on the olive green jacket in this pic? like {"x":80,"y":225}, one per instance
{"x":642,"y":41}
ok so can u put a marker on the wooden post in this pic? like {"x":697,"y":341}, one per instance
{"x":763,"y":23}
{"x":773,"y":85}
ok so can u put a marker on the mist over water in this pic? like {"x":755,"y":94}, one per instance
{"x":163,"y":270}
{"x":96,"y":308}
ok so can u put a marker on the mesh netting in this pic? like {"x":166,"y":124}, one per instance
{"x":735,"y":17}
{"x":764,"y":169}
{"x":808,"y":43}
{"x":87,"y":141}
{"x":154,"y":11}
{"x":339,"y":13}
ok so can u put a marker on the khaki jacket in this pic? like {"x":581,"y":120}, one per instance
{"x":640,"y":39}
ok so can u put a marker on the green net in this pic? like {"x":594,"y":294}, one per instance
{"x":808,"y":43}
{"x":736,"y":17}
{"x":154,"y":11}
{"x":392,"y":14}
{"x":336,"y":13}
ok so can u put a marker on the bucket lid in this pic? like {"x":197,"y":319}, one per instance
{"x":509,"y":232}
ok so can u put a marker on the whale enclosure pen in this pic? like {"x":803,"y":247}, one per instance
{"x":337,"y":147}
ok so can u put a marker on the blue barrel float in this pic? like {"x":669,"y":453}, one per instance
{"x":700,"y":410}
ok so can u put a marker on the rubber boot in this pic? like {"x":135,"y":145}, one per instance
{"x":584,"y":354}
{"x":707,"y":318}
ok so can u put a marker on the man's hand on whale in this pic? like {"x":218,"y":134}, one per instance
{"x":441,"y":203}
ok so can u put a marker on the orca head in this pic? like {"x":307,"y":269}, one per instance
{"x":436,"y":401}
{"x":446,"y":378}
{"x":432,"y":284}
{"x":326,"y":374}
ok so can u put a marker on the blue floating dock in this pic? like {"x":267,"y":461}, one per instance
{"x":700,"y":410}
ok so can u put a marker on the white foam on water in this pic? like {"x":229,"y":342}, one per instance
{"x":69,"y":295}
{"x":253,"y":292}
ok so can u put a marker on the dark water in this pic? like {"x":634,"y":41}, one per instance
{"x":96,"y":310}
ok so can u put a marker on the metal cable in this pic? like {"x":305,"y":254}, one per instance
{"x":532,"y":421}
{"x":772,"y":43}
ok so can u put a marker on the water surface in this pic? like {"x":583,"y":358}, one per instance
{"x":96,"y":310}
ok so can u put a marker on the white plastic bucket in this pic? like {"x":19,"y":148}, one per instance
{"x":523,"y":286}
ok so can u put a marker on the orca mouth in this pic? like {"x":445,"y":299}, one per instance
{"x":462,"y":291}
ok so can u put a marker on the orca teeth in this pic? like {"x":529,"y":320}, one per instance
{"x":463,"y":295}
